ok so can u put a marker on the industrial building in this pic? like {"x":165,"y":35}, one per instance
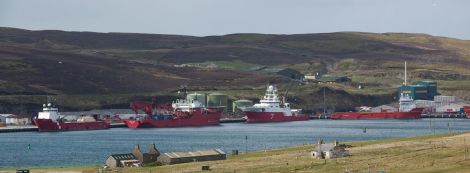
{"x":420,"y":90}
{"x":3,"y":117}
{"x":451,"y":108}
{"x":193,"y":156}
{"x":217,"y":100}
{"x":18,"y":120}
{"x":291,"y":73}
{"x":286,"y":72}
{"x":444,"y":100}
{"x":333,"y":79}
{"x":440,"y":104}
{"x":431,"y":87}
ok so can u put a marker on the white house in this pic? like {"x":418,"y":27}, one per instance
{"x":329,"y":151}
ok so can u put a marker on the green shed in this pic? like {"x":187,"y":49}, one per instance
{"x":431,"y":87}
{"x":417,"y":92}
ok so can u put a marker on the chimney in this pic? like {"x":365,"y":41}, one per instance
{"x":153,"y":150}
{"x":137,"y":147}
{"x":137,"y":153}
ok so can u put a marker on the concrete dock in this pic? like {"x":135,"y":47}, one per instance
{"x":444,"y":115}
{"x":32,"y":128}
{"x":26,"y":128}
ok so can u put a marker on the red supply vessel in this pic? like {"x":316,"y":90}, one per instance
{"x":271,"y":109}
{"x":466,"y":109}
{"x":49,"y":121}
{"x":407,"y":110}
{"x":180,"y":113}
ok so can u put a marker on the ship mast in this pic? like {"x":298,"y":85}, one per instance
{"x":405,"y":72}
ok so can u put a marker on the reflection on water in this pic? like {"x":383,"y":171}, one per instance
{"x":34,"y":149}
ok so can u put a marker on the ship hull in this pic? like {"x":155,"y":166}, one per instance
{"x":47,"y":125}
{"x":466,"y":109}
{"x":197,"y":119}
{"x":264,"y":117}
{"x":414,"y":114}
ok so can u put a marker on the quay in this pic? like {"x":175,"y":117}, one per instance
{"x":232,"y":120}
{"x":319,"y":117}
{"x":32,"y":128}
{"x":444,"y":115}
{"x":27,"y":128}
{"x":433,"y":115}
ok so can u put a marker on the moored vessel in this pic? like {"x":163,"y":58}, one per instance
{"x":466,"y":109}
{"x":271,"y":109}
{"x":407,"y":110}
{"x":49,"y":120}
{"x":180,"y":113}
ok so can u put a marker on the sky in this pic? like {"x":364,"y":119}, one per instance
{"x":449,"y":18}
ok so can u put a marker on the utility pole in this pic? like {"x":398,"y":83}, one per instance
{"x":448,"y":127}
{"x":246,"y":144}
{"x":465,"y":148}
{"x":324,"y":102}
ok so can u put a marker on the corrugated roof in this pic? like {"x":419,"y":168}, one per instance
{"x":5,"y":115}
{"x":194,"y":153}
{"x":128,"y":156}
{"x":18,"y":116}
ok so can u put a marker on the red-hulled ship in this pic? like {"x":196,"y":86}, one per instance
{"x":48,"y":120}
{"x":271,"y":109}
{"x":466,"y":109}
{"x":179,"y":114}
{"x":407,"y":110}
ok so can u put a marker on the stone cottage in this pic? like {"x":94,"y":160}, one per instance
{"x":136,"y":158}
{"x":329,"y":151}
{"x":121,"y":160}
{"x":145,"y":158}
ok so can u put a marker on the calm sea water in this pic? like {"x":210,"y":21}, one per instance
{"x":93,"y":147}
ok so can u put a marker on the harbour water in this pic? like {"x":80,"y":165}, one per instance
{"x":34,"y":149}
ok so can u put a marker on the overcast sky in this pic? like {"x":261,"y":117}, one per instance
{"x":449,"y":18}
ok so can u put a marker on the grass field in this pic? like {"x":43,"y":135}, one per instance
{"x":435,"y":153}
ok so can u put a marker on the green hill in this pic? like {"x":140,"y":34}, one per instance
{"x":91,"y":70}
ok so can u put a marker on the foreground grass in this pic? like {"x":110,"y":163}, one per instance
{"x":435,"y":153}
{"x":83,"y":169}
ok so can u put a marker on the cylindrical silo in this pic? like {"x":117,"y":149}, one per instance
{"x":217,"y":100}
{"x":241,"y":103}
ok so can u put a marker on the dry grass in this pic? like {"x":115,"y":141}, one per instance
{"x":422,"y":154}
{"x":436,"y":153}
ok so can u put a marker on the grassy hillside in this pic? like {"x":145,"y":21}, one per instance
{"x":116,"y":64}
{"x":435,"y":153}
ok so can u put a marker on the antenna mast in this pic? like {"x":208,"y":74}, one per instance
{"x":405,"y":72}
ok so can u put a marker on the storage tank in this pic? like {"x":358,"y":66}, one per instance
{"x":217,"y":100}
{"x":241,"y":103}
{"x":201,"y":97}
